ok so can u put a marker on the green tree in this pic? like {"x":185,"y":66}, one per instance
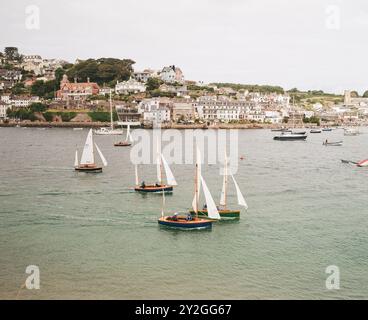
{"x":153,"y":84}
{"x":365,"y":94}
{"x":11,"y":53}
{"x":37,"y":107}
{"x":103,"y":70}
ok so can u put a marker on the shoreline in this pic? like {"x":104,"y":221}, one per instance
{"x":163,"y":126}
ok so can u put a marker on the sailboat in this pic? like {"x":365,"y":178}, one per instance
{"x":111,"y":130}
{"x":128,"y":140}
{"x":87,"y":162}
{"x":224,"y":212}
{"x":159,"y":186}
{"x":189,"y":221}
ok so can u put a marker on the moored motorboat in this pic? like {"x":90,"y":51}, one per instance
{"x":351,"y":132}
{"x":87,"y":163}
{"x":327,"y":129}
{"x":290,"y":137}
{"x":315,"y":131}
{"x":333,"y":144}
{"x":299,"y":132}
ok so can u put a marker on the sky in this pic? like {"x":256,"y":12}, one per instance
{"x":307,"y":44}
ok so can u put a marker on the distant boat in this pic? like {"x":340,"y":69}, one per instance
{"x":333,"y":144}
{"x":128,"y":140}
{"x":351,"y":132}
{"x":87,"y":163}
{"x":362,"y":163}
{"x":159,"y":186}
{"x":188,"y":222}
{"x":224,"y":212}
{"x":327,"y":129}
{"x":290,"y":137}
{"x":299,"y":132}
{"x":315,"y":131}
{"x":111,"y":130}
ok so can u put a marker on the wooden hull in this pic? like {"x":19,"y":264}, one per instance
{"x":291,"y":137}
{"x":181,"y":223}
{"x":153,"y":188}
{"x":122,"y":144}
{"x":224,"y":214}
{"x":89,"y":169}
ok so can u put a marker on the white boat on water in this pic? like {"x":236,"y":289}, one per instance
{"x":111,"y":130}
{"x":351,"y":132}
{"x":87,"y":162}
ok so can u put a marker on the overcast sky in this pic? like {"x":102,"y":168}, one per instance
{"x":308,"y":44}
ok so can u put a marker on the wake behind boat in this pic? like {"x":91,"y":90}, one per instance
{"x":87,"y":163}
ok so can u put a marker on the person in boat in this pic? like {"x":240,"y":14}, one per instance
{"x":205,"y":206}
{"x":189,"y":217}
{"x":174,"y":217}
{"x":157,"y":185}
{"x":143,"y":185}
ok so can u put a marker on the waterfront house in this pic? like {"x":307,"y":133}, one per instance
{"x":172,"y":74}
{"x":3,"y":108}
{"x":130,"y":86}
{"x":76,"y":90}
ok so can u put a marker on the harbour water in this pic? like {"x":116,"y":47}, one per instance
{"x":94,"y":238}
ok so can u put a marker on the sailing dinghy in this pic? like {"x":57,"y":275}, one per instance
{"x":159,"y":186}
{"x":188,"y":221}
{"x":87,"y":162}
{"x":128,"y":140}
{"x":224,"y":212}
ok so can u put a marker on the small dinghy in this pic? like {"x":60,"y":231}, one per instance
{"x":87,"y":163}
{"x":332,"y":144}
{"x":189,"y":221}
{"x":362,"y":163}
{"x":315,"y":131}
{"x":290,"y":137}
{"x":300,"y":132}
{"x":327,"y":129}
{"x":128,"y":140}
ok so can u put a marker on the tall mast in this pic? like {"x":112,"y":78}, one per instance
{"x":196,"y":188}
{"x":111,"y":119}
{"x":225,"y":177}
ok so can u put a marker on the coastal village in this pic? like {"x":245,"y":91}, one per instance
{"x":38,"y":91}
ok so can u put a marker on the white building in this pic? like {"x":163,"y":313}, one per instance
{"x":22,"y":101}
{"x":172,"y":74}
{"x":130,"y":86}
{"x":155,"y":110}
{"x":273,"y":117}
{"x":3,"y":108}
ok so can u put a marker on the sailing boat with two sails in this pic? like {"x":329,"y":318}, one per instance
{"x":189,"y":221}
{"x":128,"y":140}
{"x":111,"y":131}
{"x":159,"y":186}
{"x":223,"y":210}
{"x":87,"y":162}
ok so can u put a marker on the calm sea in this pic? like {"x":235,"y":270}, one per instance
{"x":93,"y":238}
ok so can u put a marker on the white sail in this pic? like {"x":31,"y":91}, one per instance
{"x":76,"y":159}
{"x":169,"y":175}
{"x":101,"y":155}
{"x":87,"y":155}
{"x":224,"y":184}
{"x":211,"y":206}
{"x":136,"y":175}
{"x":128,"y":135}
{"x":195,"y":203}
{"x":241,"y":200}
{"x":158,"y":163}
